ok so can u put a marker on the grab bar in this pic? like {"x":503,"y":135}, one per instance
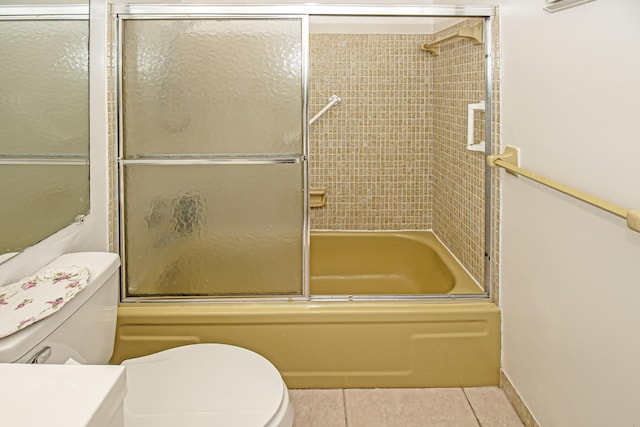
{"x":333,"y":100}
{"x":509,"y":160}
{"x":480,"y":106}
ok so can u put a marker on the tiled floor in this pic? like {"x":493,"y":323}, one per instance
{"x":408,"y":407}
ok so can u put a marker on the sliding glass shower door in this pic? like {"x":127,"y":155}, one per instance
{"x":213,"y":156}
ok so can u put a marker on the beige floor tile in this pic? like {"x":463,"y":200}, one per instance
{"x":492,"y":408}
{"x":318,"y":408}
{"x":444,"y":407}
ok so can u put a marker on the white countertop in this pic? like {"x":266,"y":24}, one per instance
{"x":60,"y":395}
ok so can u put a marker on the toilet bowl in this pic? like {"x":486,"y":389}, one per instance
{"x":193,"y":385}
{"x":205,"y":385}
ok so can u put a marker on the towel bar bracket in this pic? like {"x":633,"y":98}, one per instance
{"x":475,"y":34}
{"x":633,"y":220}
{"x":511,"y":155}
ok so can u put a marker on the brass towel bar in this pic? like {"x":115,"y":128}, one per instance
{"x":474,"y":33}
{"x":510,"y":162}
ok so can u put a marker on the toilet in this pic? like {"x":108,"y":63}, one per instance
{"x":193,"y":385}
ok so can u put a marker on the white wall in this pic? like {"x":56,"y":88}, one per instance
{"x":570,"y":290}
{"x":92,"y":234}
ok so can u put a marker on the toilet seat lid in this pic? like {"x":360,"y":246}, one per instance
{"x":202,"y":385}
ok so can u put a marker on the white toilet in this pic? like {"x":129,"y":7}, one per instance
{"x":194,"y":385}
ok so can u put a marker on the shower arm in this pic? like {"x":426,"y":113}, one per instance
{"x":333,"y":100}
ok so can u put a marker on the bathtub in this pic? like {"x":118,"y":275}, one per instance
{"x":348,"y":343}
{"x":392,"y":263}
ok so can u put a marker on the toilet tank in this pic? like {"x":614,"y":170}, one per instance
{"x":83,"y":329}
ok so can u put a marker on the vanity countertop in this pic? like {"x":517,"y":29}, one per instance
{"x":61,"y":395}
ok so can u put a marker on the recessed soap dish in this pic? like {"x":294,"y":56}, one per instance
{"x":317,"y":197}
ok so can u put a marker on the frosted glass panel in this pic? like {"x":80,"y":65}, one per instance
{"x":44,"y":87}
{"x":213,"y":229}
{"x":39,"y":200}
{"x":212,"y":86}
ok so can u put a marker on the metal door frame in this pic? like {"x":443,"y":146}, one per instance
{"x":215,"y":160}
{"x":304,"y":11}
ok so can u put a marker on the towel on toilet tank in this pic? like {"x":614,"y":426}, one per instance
{"x":35,"y":297}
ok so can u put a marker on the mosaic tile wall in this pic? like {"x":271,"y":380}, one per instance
{"x":372,"y":152}
{"x":495,"y":175}
{"x":112,"y":137}
{"x":393,"y":154}
{"x":458,"y":185}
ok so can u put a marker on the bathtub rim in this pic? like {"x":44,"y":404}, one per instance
{"x":402,"y":307}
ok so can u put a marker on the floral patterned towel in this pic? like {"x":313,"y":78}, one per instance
{"x":36,"y":297}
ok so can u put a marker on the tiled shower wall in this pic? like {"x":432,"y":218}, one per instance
{"x":112,"y":136}
{"x":373,"y":151}
{"x":392,"y":155}
{"x":458,"y":174}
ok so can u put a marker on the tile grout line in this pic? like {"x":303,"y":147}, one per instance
{"x":344,"y":404}
{"x":471,"y":406}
